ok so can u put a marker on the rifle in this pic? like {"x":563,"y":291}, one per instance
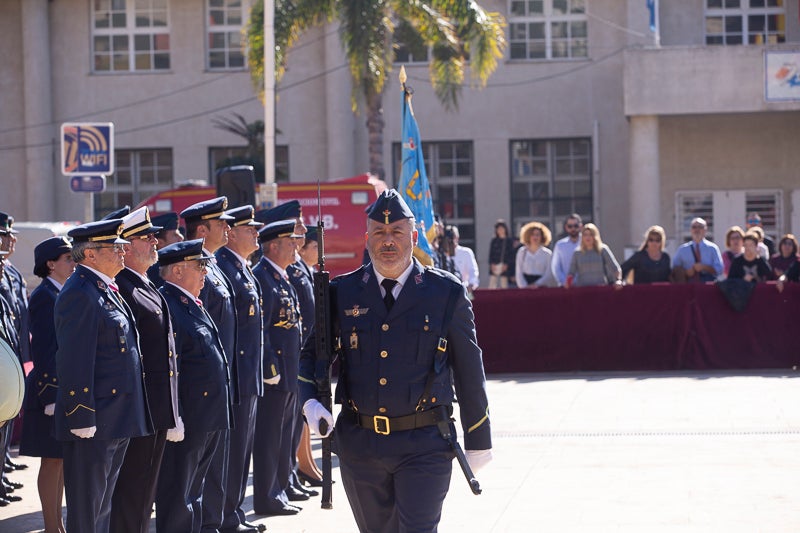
{"x":324,"y":351}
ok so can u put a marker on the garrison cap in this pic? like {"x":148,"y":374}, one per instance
{"x":122,"y":212}
{"x":166,"y":221}
{"x":208,"y":210}
{"x":182,"y":251}
{"x":49,"y":250}
{"x":243,"y":216}
{"x":138,"y":224}
{"x":290,"y":209}
{"x":389,"y":207}
{"x":279,"y":228}
{"x":6,"y":221}
{"x":101,"y":232}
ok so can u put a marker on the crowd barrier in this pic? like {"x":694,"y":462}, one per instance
{"x":639,"y":327}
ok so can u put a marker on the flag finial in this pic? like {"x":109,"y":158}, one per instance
{"x":402,"y":75}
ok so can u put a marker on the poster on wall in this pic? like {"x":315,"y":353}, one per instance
{"x":782,"y":76}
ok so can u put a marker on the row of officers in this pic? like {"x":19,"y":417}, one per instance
{"x":161,"y":372}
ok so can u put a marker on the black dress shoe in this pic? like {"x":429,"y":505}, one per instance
{"x":16,"y":466}
{"x":259,"y":527}
{"x":286,"y":510}
{"x":13,"y":484}
{"x":6,"y":487}
{"x":308,"y":480}
{"x":4,"y":502}
{"x":7,"y":469}
{"x":295,"y":495}
{"x":241,"y":528}
{"x":12,"y":498}
{"x":310,"y":492}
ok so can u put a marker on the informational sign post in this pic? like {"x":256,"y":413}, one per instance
{"x":87,"y":149}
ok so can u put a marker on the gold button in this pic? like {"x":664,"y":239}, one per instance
{"x":45,"y":375}
{"x":279,"y":352}
{"x":381,"y":409}
{"x":382,"y":381}
{"x":384,"y":354}
{"x":385,"y":327}
{"x":72,"y":393}
{"x":86,"y":389}
{"x":113,"y":391}
{"x":170,"y":353}
{"x":170,"y":373}
{"x":426,"y":328}
{"x":241,"y":352}
{"x":122,"y":350}
{"x":39,"y":382}
{"x":205,"y":393}
{"x":433,"y":400}
{"x":54,"y":380}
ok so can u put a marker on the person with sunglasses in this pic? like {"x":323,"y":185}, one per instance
{"x":699,"y":259}
{"x":100,"y":403}
{"x":565,"y":247}
{"x":651,"y":264}
{"x":754,"y":221}
{"x":782,"y":261}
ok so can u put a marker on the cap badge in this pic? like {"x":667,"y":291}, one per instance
{"x":386,"y":214}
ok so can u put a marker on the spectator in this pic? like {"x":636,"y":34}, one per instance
{"x":786,"y":256}
{"x":564,"y":248}
{"x":593,"y":263}
{"x":699,"y":259}
{"x":533,"y":268}
{"x":754,"y":221}
{"x":651,"y":264}
{"x":501,"y":256}
{"x":733,"y":247}
{"x":465,"y":261}
{"x":793,"y":275}
{"x":763,"y":250}
{"x":750,"y":266}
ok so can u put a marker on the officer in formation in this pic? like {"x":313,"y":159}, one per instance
{"x":169,"y":233}
{"x":232,"y":260}
{"x":204,"y":381}
{"x":277,"y":409}
{"x":404,"y":330}
{"x":136,"y":487}
{"x":54,"y":265}
{"x":100,"y":403}
{"x":207,"y":221}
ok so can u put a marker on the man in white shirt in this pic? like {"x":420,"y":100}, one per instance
{"x":465,"y":262}
{"x":564,"y":248}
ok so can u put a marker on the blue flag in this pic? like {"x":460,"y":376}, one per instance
{"x":651,"y":5}
{"x":414,"y":186}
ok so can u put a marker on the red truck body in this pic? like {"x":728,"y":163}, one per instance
{"x":341,"y":203}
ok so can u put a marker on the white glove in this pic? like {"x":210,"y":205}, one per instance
{"x":314,"y":412}
{"x":84,"y":433}
{"x":50,"y":409}
{"x":273,"y":380}
{"x":477,"y":459}
{"x":176,"y":434}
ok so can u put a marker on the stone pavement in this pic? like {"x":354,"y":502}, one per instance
{"x":605,"y":452}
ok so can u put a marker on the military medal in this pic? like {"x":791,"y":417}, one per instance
{"x":252,"y":311}
{"x":354,"y":340}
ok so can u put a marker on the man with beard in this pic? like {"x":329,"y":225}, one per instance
{"x":136,"y":487}
{"x":565,"y":247}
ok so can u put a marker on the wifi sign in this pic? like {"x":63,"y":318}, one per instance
{"x":87,"y":149}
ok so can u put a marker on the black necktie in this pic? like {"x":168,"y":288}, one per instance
{"x":388,"y":285}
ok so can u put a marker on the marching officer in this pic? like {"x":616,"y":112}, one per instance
{"x":207,"y":220}
{"x":203,"y":390}
{"x":135,"y":492}
{"x":100,"y":403}
{"x":232,"y":260}
{"x":277,"y":409}
{"x":404,"y":329}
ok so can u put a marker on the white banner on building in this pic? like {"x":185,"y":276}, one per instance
{"x":782,"y":76}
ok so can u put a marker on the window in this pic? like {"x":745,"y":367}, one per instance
{"x":130,"y":35}
{"x":745,"y":22}
{"x":224,"y":34}
{"x":139,"y":174}
{"x":547,"y":29}
{"x":219,"y":156}
{"x":725,"y":208}
{"x":550,"y":179}
{"x":408,"y":45}
{"x":449,"y":166}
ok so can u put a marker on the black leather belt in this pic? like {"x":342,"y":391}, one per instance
{"x":385,"y":425}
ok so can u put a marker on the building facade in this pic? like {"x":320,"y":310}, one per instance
{"x":587,"y":112}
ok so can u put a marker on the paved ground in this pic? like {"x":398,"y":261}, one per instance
{"x":632,"y":452}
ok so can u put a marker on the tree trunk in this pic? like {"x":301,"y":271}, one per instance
{"x":375,"y":125}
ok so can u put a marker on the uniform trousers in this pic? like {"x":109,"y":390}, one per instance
{"x":275,"y":417}
{"x":395,"y":494}
{"x":214,"y":486}
{"x":180,"y":483}
{"x":241,"y":450}
{"x":135,"y":491}
{"x":91,"y":468}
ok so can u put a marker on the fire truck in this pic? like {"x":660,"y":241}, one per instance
{"x":341,"y":204}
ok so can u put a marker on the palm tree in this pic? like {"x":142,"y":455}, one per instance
{"x":460,"y":32}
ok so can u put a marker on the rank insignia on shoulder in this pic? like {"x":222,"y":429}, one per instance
{"x":365,"y":277}
{"x":297,"y":274}
{"x":418,"y":279}
{"x":356,"y":311}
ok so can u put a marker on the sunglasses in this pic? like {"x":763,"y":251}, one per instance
{"x":754,"y":221}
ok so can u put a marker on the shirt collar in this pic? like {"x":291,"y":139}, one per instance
{"x":107,"y":280}
{"x":281,"y":271}
{"x":401,"y":279}
{"x":241,"y":259}
{"x":58,"y":285}
{"x":184,"y":291}
{"x":142,"y":276}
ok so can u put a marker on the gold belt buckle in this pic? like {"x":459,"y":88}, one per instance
{"x":377,"y":420}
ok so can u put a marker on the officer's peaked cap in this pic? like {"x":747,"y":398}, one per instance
{"x":101,"y":232}
{"x":182,"y":251}
{"x":243,"y":216}
{"x":138,"y":224}
{"x":207,"y":210}
{"x":274,"y":230}
{"x":168,"y":221}
{"x":389,"y":207}
{"x":122,"y":212}
{"x":290,"y":209}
